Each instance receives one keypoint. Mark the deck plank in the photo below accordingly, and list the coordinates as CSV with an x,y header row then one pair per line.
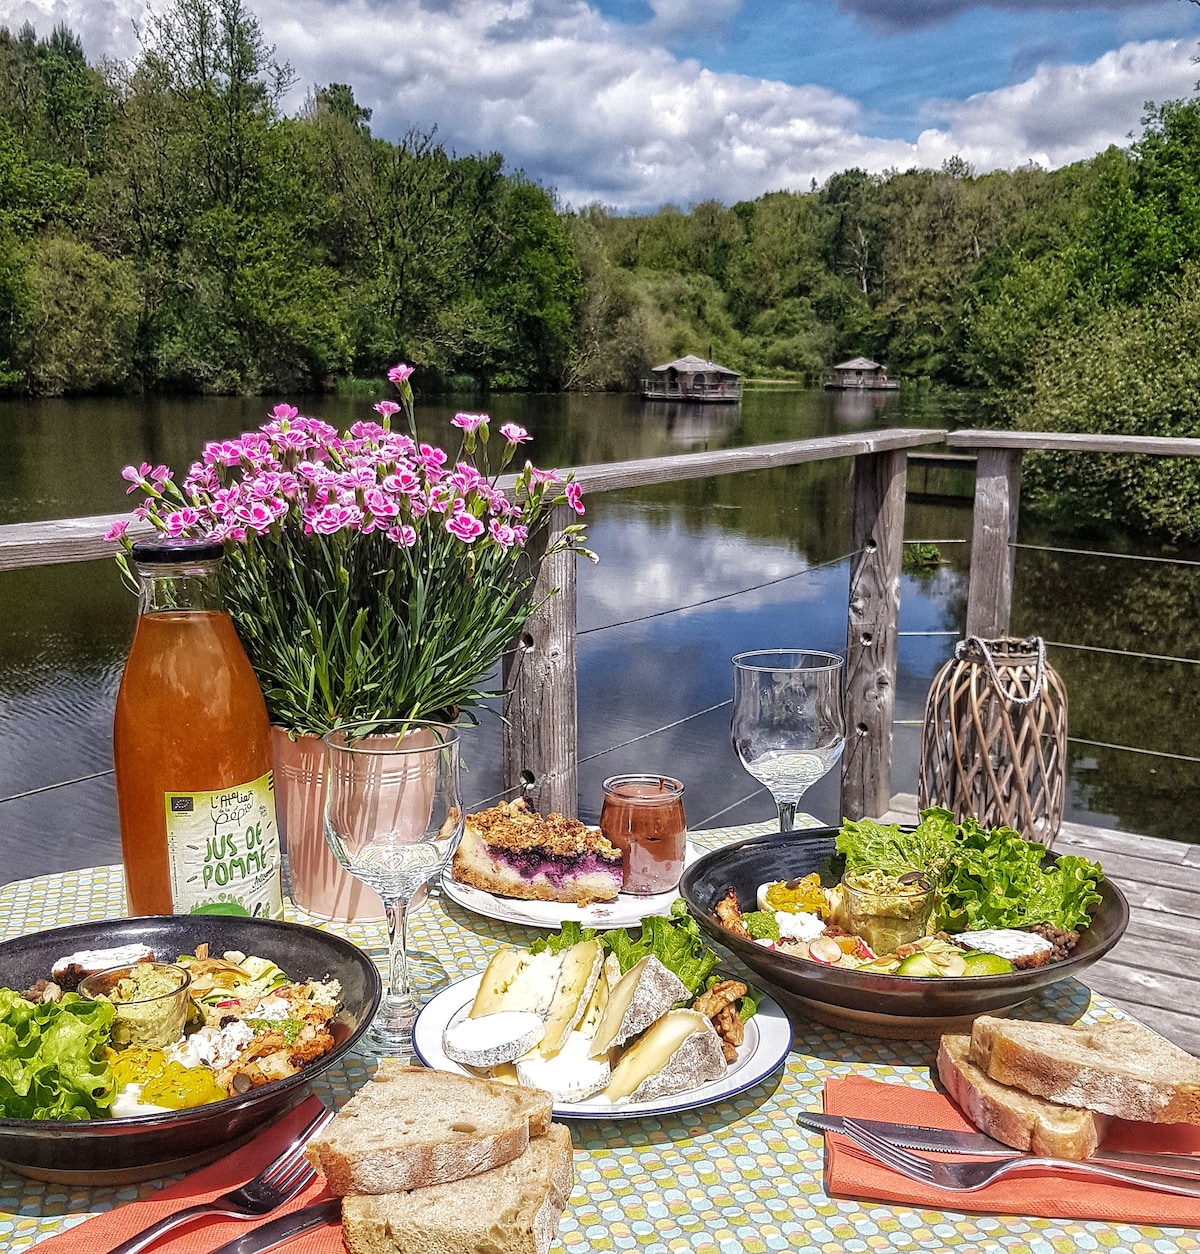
x,y
1153,972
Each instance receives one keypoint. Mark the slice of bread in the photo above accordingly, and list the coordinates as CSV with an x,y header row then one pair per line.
x,y
1013,1116
512,1209
1116,1067
410,1127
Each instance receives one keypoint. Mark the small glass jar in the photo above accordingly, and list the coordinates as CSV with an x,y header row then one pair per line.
x,y
643,816
887,910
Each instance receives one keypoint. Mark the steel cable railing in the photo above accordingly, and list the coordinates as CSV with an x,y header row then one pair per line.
x,y
807,570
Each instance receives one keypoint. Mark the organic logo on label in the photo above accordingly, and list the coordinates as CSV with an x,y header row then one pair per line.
x,y
181,805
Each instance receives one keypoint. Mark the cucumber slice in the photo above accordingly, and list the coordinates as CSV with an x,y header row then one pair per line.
x,y
979,963
919,964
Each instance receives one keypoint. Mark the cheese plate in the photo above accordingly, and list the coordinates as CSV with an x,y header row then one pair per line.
x,y
768,1040
627,910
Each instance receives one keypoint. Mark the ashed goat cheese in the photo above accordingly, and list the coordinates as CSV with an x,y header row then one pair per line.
x,y
1003,941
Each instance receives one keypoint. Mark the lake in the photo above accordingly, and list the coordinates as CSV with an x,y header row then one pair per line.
x,y
758,560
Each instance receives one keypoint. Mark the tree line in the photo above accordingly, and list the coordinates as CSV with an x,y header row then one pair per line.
x,y
164,225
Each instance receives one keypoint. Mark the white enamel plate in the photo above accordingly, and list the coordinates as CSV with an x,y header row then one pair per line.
x,y
768,1040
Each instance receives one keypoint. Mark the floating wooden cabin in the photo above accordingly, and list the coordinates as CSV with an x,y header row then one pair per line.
x,y
692,378
860,373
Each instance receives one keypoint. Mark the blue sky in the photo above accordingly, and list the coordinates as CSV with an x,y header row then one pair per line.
x,y
634,103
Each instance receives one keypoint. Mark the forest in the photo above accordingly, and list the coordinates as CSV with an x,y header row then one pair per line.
x,y
166,226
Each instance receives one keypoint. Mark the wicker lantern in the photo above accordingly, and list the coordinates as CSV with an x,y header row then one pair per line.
x,y
994,741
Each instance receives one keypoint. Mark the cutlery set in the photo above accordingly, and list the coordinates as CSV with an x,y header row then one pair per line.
x,y
886,1142
284,1178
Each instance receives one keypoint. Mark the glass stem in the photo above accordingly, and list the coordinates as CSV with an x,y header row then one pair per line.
x,y
787,816
397,994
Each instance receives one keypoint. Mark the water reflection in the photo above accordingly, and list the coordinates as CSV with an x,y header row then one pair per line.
x,y
643,664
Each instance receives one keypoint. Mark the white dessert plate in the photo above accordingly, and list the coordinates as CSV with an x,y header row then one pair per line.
x,y
626,911
768,1040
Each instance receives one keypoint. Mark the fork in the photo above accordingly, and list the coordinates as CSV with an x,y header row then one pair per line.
x,y
277,1183
967,1176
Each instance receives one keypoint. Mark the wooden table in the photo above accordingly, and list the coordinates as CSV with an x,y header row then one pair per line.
x,y
739,1177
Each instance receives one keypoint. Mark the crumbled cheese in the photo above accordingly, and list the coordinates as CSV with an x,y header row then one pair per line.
x,y
798,925
212,1047
273,1009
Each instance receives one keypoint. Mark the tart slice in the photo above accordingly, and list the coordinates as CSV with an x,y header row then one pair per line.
x,y
513,851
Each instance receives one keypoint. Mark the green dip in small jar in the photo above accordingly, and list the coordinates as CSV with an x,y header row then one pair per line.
x,y
885,909
150,1000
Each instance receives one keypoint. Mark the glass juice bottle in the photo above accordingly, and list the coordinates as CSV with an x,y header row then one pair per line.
x,y
192,749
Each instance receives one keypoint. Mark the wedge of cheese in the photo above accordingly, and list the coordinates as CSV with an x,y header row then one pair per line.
x,y
516,979
579,971
570,1075
488,1040
644,993
594,1010
681,1051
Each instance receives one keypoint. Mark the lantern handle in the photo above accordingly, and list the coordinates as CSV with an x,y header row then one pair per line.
x,y
1039,675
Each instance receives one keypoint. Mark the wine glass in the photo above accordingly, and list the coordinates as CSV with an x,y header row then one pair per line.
x,y
789,723
393,818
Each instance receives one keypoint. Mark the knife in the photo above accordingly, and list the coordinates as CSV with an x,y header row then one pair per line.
x,y
944,1141
284,1229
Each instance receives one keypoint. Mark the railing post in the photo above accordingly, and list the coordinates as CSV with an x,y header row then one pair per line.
x,y
877,544
997,498
540,734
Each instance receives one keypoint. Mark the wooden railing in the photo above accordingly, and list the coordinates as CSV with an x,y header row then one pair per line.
x,y
540,730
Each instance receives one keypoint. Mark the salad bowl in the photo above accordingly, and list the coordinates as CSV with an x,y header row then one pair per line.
x,y
898,1007
120,1151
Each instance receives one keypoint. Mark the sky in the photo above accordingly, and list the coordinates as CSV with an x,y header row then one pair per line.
x,y
633,104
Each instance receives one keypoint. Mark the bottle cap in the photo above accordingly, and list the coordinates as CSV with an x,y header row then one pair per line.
x,y
162,551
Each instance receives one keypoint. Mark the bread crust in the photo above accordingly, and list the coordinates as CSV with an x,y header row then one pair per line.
x,y
411,1127
1012,1115
513,1209
1115,1067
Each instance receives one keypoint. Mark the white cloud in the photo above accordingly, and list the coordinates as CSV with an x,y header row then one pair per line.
x,y
601,112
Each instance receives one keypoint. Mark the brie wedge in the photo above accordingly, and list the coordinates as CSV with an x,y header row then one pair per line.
x,y
488,1040
681,1051
515,979
578,972
644,993
571,1076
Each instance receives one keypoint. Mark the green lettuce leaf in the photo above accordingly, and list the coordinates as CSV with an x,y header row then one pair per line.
x,y
52,1061
927,848
675,940
571,933
996,879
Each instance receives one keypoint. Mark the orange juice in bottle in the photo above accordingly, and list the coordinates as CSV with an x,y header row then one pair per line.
x,y
192,749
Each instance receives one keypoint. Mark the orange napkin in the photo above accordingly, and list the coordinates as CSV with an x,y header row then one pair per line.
x,y
99,1234
851,1172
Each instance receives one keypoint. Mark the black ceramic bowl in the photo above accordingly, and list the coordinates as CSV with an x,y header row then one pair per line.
x,y
875,1005
118,1151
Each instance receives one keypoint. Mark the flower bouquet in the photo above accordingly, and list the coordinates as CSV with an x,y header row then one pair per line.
x,y
369,576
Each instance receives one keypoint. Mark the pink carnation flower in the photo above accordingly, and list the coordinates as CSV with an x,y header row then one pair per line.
x,y
502,533
333,518
181,520
469,423
465,527
137,476
575,497
284,413
387,408
117,530
404,535
399,374
514,434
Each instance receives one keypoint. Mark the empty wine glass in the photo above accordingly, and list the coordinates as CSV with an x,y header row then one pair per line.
x,y
393,818
789,723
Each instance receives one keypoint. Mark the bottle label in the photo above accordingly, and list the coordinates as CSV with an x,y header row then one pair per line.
x,y
223,850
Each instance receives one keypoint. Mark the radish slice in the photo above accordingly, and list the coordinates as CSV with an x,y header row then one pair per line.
x,y
825,950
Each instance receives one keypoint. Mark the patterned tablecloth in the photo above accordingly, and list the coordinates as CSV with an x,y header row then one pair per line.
x,y
739,1177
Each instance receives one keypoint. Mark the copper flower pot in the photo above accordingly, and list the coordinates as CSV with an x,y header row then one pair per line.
x,y
319,885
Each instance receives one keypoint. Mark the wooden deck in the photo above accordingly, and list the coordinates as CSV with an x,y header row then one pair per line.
x,y
1153,971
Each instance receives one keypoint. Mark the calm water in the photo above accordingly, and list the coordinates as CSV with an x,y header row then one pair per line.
x,y
64,630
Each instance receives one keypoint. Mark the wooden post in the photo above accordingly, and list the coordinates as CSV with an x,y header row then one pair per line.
x,y
540,683
877,542
997,498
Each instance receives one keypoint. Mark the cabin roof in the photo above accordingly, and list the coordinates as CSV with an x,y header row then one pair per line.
x,y
859,363
691,364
